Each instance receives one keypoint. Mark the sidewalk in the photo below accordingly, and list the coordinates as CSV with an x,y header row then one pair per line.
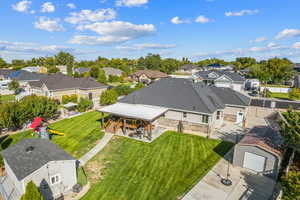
x,y
106,138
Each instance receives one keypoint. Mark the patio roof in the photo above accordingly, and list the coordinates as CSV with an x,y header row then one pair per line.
x,y
135,111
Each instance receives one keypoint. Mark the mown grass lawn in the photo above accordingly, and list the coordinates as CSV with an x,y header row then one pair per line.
x,y
164,169
10,97
81,134
284,96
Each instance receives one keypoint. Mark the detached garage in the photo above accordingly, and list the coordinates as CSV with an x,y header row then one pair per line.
x,y
260,151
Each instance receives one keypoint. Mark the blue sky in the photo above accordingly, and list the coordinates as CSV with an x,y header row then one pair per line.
x,y
196,29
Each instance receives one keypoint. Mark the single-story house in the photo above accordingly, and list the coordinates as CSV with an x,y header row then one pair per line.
x,y
174,102
82,70
221,79
261,151
218,67
4,74
147,76
109,71
62,69
57,85
51,169
24,77
189,69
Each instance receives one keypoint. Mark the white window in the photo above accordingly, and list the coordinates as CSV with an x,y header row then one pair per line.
x,y
55,179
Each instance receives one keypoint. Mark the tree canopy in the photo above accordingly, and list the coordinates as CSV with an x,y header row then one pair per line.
x,y
32,192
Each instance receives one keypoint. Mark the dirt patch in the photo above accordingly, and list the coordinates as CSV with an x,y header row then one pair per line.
x,y
95,170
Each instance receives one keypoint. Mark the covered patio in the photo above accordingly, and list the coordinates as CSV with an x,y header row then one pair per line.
x,y
133,120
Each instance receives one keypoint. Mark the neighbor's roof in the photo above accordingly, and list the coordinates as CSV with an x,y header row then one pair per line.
x,y
266,138
22,75
135,111
232,75
151,73
60,81
24,162
189,67
6,72
184,94
112,71
82,70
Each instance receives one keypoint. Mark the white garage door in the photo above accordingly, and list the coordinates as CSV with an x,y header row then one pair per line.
x,y
254,162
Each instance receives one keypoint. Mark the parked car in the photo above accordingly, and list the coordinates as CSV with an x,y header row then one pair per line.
x,y
254,93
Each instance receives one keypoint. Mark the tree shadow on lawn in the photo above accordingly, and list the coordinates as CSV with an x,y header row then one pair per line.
x,y
225,150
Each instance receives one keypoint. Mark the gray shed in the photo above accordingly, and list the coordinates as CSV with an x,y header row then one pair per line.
x,y
260,151
51,168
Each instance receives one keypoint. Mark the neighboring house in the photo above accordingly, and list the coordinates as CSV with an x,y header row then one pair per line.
x,y
62,69
260,151
109,71
23,77
297,81
35,69
4,74
189,69
172,102
82,70
221,79
218,67
252,84
57,85
297,67
51,169
147,76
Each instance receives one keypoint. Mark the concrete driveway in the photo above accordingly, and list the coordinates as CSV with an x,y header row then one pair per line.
x,y
229,132
245,185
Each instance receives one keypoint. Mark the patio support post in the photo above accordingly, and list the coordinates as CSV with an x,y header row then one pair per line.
x,y
150,130
124,126
102,120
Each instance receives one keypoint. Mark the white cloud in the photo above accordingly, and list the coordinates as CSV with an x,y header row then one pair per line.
x,y
71,5
131,3
296,45
202,19
147,46
48,7
22,6
288,33
259,39
91,16
47,24
241,13
177,20
113,32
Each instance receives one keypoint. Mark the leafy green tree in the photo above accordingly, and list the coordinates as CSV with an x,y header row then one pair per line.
x,y
113,79
278,69
123,90
3,64
94,72
244,62
108,97
32,192
52,70
84,104
291,186
13,85
64,58
101,77
11,115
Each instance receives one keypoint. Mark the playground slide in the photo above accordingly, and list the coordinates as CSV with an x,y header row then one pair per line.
x,y
55,132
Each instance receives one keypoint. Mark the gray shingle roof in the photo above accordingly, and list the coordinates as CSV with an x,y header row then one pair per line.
x,y
184,94
23,162
61,82
112,71
232,75
150,74
187,67
22,75
6,72
82,70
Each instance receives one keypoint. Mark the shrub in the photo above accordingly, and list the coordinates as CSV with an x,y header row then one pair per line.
x,y
139,86
13,85
123,90
291,186
32,192
294,93
113,79
101,76
73,98
81,177
65,99
84,104
108,97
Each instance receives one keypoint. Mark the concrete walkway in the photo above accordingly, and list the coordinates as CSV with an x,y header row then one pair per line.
x,y
106,138
245,185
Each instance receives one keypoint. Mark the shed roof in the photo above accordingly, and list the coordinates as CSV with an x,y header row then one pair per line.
x,y
135,111
29,155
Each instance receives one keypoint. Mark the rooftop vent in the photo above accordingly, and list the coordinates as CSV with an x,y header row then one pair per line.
x,y
29,149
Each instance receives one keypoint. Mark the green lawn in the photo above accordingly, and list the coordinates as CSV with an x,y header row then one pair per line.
x,y
9,97
164,169
284,96
81,134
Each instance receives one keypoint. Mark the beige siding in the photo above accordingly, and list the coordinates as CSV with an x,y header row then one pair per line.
x,y
230,113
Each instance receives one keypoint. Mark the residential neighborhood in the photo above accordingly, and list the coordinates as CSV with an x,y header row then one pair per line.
x,y
150,100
